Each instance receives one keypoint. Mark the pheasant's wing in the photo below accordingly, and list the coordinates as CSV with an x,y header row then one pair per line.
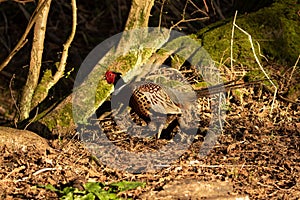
x,y
159,100
174,84
166,102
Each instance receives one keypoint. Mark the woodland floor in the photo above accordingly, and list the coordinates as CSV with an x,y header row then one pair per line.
x,y
258,155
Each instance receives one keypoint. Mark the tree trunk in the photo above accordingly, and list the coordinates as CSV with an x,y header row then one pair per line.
x,y
35,62
139,14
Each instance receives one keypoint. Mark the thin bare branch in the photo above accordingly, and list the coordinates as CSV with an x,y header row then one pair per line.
x,y
231,43
12,95
293,70
188,20
183,20
259,52
161,12
63,60
219,11
206,7
198,9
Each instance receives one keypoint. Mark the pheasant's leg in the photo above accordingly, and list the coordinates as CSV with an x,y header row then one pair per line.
x,y
170,119
160,129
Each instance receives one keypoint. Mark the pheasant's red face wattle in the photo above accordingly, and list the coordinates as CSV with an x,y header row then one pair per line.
x,y
110,77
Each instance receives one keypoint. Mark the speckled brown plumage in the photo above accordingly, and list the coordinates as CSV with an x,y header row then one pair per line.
x,y
152,96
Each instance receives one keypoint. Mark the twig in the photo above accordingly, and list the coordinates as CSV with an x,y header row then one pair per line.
x,y
160,14
205,5
198,9
32,120
220,166
189,20
25,12
7,44
260,51
63,60
219,111
14,170
231,44
43,170
183,20
219,11
12,96
36,173
288,83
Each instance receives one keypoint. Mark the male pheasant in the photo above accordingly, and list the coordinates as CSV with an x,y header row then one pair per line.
x,y
147,99
150,100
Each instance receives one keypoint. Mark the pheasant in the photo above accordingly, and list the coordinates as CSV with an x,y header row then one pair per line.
x,y
147,99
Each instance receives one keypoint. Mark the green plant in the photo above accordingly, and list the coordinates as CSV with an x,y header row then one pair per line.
x,y
95,190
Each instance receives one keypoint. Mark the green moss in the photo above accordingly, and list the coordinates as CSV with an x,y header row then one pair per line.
x,y
41,91
103,90
124,63
294,92
147,53
63,118
201,85
217,43
142,18
177,61
276,28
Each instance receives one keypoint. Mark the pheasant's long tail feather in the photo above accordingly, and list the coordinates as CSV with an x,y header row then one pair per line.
x,y
224,87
